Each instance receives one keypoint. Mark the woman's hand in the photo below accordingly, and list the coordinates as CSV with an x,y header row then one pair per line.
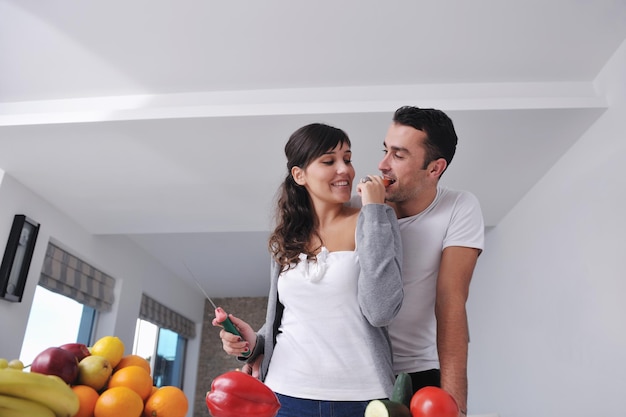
x,y
371,189
231,343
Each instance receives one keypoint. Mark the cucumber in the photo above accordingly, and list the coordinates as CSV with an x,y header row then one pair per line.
x,y
386,408
402,389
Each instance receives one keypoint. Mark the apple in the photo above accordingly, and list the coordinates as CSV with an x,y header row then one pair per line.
x,y
56,361
79,350
94,371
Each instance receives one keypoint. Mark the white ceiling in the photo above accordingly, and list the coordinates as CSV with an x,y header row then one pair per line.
x,y
165,121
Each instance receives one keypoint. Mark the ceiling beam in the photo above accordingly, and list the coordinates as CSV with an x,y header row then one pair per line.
x,y
330,100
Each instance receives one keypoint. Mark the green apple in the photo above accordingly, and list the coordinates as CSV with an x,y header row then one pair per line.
x,y
94,371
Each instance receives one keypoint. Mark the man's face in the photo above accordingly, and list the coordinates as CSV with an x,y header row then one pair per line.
x,y
404,162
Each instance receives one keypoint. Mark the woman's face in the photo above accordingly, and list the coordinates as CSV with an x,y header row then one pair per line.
x,y
329,177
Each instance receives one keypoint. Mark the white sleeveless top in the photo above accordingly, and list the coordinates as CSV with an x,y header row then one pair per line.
x,y
320,351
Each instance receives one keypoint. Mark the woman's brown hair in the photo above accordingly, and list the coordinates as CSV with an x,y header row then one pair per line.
x,y
295,221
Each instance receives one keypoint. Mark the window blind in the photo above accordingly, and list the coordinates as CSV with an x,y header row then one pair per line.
x,y
155,312
65,274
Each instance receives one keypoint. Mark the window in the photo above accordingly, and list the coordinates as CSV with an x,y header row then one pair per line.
x,y
66,302
165,349
53,321
161,335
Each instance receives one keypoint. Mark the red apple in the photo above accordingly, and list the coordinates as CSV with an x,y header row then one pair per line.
x,y
56,361
78,349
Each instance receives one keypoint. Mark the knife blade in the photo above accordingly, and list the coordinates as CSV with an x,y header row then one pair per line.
x,y
227,324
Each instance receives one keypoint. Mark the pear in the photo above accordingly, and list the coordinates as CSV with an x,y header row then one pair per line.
x,y
94,371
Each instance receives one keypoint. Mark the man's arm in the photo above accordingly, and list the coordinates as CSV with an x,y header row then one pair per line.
x,y
455,273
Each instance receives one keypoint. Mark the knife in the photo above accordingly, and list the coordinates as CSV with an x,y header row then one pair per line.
x,y
227,324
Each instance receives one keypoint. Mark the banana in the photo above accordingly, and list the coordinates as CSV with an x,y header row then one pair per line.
x,y
19,407
50,391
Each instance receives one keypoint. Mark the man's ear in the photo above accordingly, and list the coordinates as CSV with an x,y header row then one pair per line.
x,y
298,175
437,167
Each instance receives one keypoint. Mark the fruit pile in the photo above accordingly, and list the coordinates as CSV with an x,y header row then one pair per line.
x,y
74,380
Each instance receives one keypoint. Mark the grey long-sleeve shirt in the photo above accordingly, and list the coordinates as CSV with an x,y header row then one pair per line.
x,y
380,290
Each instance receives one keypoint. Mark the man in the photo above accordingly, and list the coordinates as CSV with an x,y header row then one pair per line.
x,y
442,235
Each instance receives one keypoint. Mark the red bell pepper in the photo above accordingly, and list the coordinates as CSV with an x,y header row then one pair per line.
x,y
237,394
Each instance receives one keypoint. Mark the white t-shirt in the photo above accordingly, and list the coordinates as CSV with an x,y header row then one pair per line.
x,y
320,351
454,218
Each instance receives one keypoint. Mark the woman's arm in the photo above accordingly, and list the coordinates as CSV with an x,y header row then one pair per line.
x,y
379,248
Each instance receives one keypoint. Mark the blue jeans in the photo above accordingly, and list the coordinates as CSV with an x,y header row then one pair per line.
x,y
298,407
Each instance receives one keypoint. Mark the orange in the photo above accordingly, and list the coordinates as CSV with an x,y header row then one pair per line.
x,y
167,401
134,360
118,402
87,397
133,377
111,347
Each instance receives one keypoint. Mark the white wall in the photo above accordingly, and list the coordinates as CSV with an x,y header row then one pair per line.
x,y
134,271
547,310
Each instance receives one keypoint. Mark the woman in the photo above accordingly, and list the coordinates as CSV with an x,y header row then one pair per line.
x,y
335,285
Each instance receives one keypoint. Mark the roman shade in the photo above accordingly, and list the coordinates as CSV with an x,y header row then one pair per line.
x,y
65,274
155,312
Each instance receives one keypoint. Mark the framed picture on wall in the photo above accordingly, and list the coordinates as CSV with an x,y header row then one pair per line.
x,y
17,257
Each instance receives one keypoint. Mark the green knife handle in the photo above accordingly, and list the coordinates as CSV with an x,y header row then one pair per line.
x,y
230,328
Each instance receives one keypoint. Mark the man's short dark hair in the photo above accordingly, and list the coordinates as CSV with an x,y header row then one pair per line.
x,y
441,138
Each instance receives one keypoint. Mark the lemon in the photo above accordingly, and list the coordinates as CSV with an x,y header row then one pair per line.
x,y
111,347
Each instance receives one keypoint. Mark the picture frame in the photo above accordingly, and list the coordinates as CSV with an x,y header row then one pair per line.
x,y
17,257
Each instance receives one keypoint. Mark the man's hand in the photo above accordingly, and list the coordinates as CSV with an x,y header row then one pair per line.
x,y
254,367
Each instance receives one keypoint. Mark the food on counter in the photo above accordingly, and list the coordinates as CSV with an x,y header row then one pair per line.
x,y
237,394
